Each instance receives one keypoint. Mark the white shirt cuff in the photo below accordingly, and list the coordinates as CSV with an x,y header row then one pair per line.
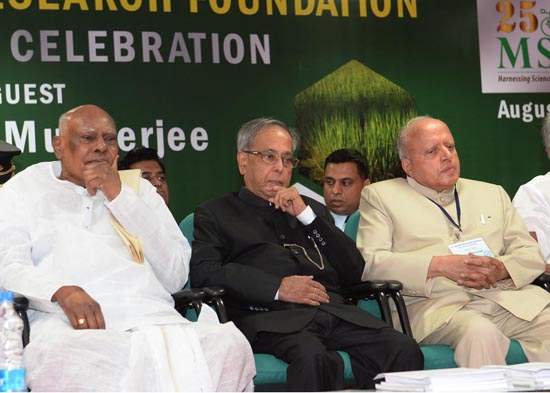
x,y
307,216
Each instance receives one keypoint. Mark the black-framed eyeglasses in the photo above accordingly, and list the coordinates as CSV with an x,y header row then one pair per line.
x,y
271,157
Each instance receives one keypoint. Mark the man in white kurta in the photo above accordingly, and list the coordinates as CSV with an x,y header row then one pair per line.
x,y
474,298
532,201
101,319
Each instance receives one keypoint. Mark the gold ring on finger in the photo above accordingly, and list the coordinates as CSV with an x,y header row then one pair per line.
x,y
81,321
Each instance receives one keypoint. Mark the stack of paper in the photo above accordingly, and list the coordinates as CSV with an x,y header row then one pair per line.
x,y
445,380
526,376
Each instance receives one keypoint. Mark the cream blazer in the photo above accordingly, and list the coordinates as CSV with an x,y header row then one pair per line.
x,y
400,230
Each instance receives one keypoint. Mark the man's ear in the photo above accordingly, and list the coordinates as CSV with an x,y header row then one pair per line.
x,y
58,147
406,165
242,160
366,182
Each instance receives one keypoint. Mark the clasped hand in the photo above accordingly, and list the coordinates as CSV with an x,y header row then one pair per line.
x,y
303,290
473,271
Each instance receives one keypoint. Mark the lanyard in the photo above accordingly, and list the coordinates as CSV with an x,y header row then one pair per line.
x,y
457,203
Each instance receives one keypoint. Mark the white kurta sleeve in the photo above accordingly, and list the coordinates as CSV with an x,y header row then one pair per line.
x,y
522,256
147,216
533,206
17,271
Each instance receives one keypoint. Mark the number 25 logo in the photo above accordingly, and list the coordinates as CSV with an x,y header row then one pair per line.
x,y
529,21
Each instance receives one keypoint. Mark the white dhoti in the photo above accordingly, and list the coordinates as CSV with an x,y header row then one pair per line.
x,y
193,356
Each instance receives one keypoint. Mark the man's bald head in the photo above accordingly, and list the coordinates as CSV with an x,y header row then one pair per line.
x,y
87,134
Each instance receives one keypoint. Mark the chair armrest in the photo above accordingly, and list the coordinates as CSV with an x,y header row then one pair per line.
x,y
214,297
214,291
21,305
381,291
374,289
364,290
543,281
394,290
195,297
188,297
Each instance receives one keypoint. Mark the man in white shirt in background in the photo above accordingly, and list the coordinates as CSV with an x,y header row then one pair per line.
x,y
532,201
346,173
98,261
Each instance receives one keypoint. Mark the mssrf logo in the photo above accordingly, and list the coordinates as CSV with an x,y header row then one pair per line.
x,y
514,44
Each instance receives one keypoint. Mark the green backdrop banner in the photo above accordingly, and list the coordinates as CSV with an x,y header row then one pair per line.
x,y
183,75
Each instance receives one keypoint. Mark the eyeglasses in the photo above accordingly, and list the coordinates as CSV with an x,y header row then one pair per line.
x,y
271,157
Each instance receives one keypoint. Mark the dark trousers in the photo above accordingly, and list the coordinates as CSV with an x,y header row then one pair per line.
x,y
314,364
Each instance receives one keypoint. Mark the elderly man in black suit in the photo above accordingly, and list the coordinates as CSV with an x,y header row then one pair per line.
x,y
282,263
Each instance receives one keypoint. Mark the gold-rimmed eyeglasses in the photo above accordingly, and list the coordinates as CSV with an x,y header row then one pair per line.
x,y
271,157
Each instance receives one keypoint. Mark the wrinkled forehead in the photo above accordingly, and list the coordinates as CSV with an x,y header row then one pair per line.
x,y
103,125
430,134
273,138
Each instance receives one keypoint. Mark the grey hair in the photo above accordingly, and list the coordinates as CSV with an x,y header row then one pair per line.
x,y
404,132
545,131
249,130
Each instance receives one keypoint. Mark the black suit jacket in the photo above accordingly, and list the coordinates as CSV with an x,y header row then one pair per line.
x,y
239,245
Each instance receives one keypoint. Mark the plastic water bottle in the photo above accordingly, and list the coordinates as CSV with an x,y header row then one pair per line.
x,y
12,369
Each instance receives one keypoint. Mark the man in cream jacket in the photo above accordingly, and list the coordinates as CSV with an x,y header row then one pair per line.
x,y
461,250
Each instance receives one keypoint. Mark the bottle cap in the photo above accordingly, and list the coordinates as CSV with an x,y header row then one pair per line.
x,y
6,296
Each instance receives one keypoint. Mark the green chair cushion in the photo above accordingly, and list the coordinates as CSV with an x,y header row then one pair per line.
x,y
438,356
515,353
442,356
269,370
